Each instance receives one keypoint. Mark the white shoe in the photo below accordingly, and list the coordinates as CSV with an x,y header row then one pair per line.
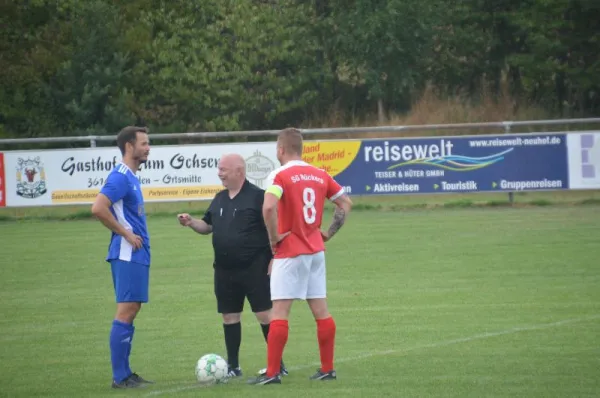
x,y
263,371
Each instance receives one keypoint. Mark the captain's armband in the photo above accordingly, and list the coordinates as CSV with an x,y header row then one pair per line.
x,y
275,190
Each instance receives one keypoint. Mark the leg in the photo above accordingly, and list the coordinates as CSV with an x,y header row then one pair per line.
x,y
326,328
278,335
121,339
230,303
259,296
289,281
264,319
131,290
232,328
126,313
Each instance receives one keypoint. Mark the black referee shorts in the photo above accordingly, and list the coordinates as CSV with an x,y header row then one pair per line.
x,y
232,286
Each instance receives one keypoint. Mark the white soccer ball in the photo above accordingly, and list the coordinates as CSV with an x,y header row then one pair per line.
x,y
212,369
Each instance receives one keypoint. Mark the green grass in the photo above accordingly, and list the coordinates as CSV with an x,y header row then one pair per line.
x,y
453,302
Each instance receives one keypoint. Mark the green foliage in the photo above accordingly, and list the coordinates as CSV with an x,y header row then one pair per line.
x,y
384,43
92,82
226,65
560,61
80,67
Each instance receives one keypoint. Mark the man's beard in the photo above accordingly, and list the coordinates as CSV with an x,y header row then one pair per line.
x,y
140,161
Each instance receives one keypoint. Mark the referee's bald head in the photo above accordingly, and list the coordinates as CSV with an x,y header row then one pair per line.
x,y
234,161
232,171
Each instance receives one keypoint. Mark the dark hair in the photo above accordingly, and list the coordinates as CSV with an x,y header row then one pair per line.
x,y
291,139
129,134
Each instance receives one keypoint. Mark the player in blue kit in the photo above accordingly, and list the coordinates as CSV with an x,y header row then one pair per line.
x,y
120,207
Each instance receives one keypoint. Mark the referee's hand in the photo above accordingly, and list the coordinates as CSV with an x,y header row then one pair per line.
x,y
184,219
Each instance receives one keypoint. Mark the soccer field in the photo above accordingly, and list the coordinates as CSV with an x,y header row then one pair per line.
x,y
445,302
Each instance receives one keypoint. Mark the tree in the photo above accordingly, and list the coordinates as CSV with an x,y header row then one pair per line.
x,y
560,64
383,44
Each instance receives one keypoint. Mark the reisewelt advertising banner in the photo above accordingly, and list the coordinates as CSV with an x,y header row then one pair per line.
x,y
445,164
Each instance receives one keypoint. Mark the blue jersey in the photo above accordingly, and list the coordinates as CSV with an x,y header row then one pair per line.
x,y
124,191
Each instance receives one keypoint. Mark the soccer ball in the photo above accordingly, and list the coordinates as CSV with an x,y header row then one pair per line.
x,y
212,369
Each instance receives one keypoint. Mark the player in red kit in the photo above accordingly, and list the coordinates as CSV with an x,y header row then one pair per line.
x,y
293,211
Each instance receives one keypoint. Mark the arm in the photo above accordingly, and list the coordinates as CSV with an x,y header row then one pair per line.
x,y
101,210
343,205
202,226
199,226
269,211
114,190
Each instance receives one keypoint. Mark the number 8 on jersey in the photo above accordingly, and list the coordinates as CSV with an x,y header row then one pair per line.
x,y
309,210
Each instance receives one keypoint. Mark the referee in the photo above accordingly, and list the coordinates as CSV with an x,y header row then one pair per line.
x,y
242,254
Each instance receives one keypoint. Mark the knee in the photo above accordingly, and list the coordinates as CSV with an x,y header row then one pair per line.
x,y
232,318
264,317
126,312
319,308
281,309
324,314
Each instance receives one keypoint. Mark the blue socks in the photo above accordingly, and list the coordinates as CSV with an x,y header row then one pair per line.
x,y
121,336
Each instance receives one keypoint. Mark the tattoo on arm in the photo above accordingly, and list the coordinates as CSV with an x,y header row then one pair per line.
x,y
339,217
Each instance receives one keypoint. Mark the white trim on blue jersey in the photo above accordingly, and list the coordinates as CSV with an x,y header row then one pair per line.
x,y
126,250
124,190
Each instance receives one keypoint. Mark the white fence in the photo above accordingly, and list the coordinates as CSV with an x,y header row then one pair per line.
x,y
505,126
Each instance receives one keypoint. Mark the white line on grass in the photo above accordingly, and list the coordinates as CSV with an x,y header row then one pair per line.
x,y
438,344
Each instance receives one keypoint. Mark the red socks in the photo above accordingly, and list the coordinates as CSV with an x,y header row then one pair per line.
x,y
278,336
326,337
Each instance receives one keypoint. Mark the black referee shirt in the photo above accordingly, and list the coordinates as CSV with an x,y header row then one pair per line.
x,y
239,234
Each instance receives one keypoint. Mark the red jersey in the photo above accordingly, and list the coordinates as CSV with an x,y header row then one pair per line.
x,y
303,190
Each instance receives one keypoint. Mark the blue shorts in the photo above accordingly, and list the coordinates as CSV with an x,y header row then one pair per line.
x,y
130,281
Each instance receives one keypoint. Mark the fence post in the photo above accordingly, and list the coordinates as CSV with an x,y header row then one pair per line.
x,y
93,142
511,195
